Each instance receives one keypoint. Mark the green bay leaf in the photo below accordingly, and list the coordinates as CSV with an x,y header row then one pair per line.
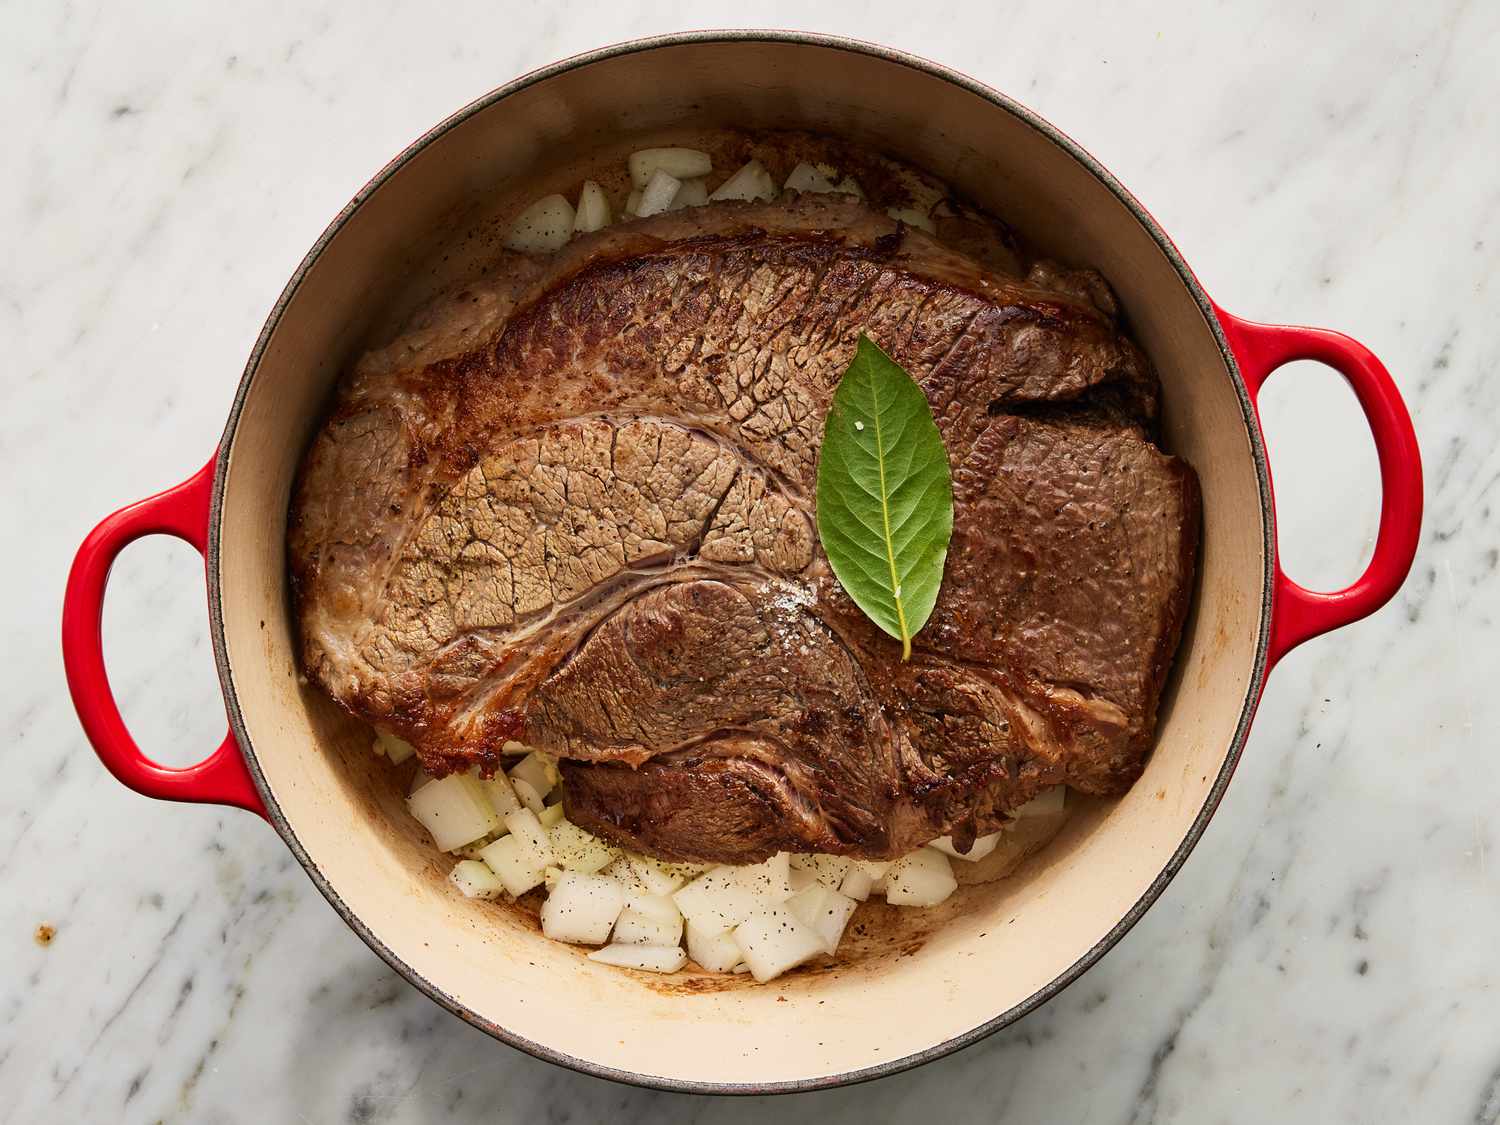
x,y
885,496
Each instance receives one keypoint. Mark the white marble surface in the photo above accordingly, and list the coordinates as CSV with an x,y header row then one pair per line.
x,y
1328,954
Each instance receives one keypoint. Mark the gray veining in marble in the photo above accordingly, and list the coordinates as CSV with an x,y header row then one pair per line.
x,y
1329,952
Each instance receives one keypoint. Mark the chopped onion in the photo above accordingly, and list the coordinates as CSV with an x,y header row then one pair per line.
x,y
826,869
875,868
857,883
593,209
983,845
717,900
419,779
543,227
774,941
920,879
632,205
658,878
537,771
620,870
514,864
524,825
679,163
513,748
749,183
666,958
717,953
501,796
692,193
824,912
550,815
578,850
527,795
649,920
799,877
396,749
1048,803
658,194
582,908
912,218
475,880
769,880
805,177
455,810
849,186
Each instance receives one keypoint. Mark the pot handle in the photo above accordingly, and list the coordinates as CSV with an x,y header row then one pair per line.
x,y
1299,614
221,778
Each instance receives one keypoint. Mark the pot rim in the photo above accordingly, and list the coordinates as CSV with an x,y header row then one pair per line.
x,y
1158,884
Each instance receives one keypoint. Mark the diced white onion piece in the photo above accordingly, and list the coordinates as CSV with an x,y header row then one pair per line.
x,y
593,209
419,779
878,887
658,878
471,851
455,810
514,748
749,183
550,815
805,177
543,227
912,218
524,825
875,868
1048,803
527,795
717,900
774,941
501,796
718,953
849,186
658,194
475,879
741,967
768,879
692,193
983,845
620,870
923,878
396,749
550,877
800,877
824,912
537,771
679,163
648,958
632,202
514,864
578,850
582,908
826,869
856,884
649,920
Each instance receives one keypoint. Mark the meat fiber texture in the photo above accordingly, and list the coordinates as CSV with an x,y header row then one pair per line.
x,y
573,507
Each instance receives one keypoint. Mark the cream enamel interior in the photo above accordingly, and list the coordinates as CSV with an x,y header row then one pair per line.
x,y
994,947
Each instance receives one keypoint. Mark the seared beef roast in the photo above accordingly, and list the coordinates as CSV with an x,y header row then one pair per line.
x,y
573,507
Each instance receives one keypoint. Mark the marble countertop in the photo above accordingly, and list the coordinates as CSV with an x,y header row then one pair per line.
x,y
1328,952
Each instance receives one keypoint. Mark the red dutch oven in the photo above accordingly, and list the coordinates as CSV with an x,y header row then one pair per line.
x,y
912,992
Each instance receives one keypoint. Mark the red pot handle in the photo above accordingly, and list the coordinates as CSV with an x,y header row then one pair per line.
x,y
1299,614
221,778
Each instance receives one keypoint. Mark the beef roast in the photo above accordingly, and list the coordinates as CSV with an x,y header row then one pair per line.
x,y
573,507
